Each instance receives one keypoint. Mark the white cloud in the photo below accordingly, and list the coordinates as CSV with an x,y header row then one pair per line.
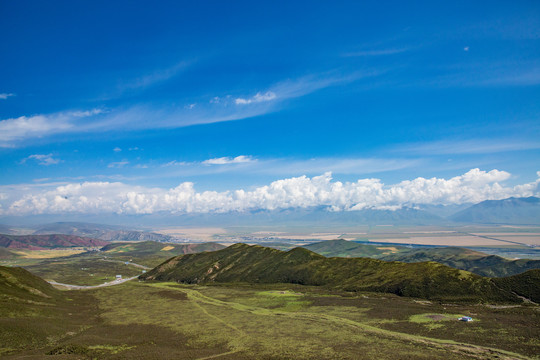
x,y
42,159
146,116
4,96
466,48
257,98
106,197
229,160
23,127
117,149
156,76
118,164
475,146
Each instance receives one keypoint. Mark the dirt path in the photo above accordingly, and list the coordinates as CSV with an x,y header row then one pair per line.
x,y
86,287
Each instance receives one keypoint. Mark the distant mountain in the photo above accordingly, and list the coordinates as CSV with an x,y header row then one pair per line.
x,y
517,211
256,264
312,216
443,211
103,232
466,259
40,242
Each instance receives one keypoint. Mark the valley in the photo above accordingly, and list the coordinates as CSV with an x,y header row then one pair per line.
x,y
305,293
142,320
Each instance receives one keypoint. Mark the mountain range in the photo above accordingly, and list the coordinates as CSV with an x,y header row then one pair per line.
x,y
517,211
241,263
100,231
511,211
41,242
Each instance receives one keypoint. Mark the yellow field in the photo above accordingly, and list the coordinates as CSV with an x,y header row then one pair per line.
x,y
48,254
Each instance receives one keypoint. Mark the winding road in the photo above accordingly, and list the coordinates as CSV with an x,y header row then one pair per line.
x,y
110,283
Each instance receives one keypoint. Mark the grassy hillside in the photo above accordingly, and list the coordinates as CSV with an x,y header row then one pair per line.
x,y
466,259
459,258
344,248
53,241
151,253
20,286
526,284
256,264
152,320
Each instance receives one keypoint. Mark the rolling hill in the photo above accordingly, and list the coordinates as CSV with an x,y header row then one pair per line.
x,y
459,258
19,285
41,242
241,263
466,259
151,253
345,248
517,211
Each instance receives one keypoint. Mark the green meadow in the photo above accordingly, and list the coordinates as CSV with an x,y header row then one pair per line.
x,y
149,320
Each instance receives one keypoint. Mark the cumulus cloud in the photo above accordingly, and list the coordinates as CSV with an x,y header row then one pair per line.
x,y
117,149
42,159
116,197
257,98
229,160
4,96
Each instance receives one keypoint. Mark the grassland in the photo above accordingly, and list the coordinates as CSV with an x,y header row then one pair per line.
x,y
79,267
280,321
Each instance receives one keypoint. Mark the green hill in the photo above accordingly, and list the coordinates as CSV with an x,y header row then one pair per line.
x,y
344,248
459,258
526,284
18,285
466,259
152,253
257,264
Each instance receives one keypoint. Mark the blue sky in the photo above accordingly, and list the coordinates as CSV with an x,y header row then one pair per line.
x,y
239,95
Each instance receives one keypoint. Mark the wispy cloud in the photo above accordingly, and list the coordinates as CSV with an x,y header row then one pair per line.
x,y
283,166
117,149
118,164
156,77
376,52
258,97
146,116
42,159
25,127
472,146
228,160
4,96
